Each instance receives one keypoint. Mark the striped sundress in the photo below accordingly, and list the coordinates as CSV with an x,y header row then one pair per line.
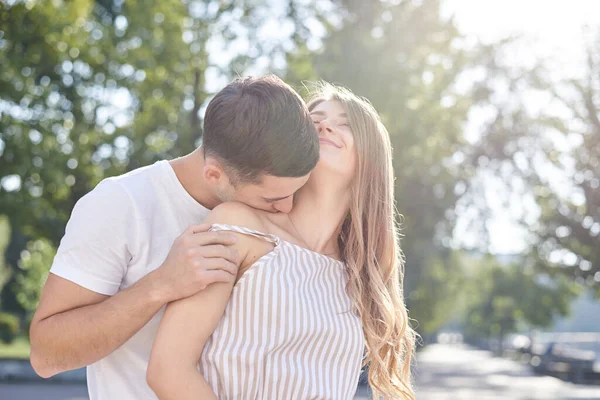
x,y
289,330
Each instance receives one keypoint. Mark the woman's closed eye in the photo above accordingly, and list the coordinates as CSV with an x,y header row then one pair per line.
x,y
337,123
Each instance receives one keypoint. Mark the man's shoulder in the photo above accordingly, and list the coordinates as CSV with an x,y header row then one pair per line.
x,y
139,180
153,172
124,191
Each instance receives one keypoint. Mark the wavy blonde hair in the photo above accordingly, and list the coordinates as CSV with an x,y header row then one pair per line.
x,y
370,248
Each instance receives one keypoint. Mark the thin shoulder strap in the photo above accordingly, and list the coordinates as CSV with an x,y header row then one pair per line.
x,y
245,231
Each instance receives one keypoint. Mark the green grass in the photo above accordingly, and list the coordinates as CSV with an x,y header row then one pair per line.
x,y
19,348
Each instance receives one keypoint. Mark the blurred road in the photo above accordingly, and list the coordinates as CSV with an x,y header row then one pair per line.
x,y
70,391
443,373
459,373
43,391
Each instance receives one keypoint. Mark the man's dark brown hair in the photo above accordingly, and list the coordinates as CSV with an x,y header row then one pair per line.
x,y
260,126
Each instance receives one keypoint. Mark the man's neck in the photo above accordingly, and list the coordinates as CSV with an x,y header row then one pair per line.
x,y
189,170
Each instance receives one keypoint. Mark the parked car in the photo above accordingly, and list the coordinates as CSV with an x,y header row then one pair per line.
x,y
565,361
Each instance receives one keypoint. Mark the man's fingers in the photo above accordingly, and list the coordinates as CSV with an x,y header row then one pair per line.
x,y
208,238
219,251
217,275
197,228
215,264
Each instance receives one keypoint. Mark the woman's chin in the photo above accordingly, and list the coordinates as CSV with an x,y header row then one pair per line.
x,y
335,173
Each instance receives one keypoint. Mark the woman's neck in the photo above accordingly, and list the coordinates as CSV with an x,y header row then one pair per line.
x,y
317,217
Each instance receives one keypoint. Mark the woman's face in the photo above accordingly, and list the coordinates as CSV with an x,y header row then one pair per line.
x,y
338,153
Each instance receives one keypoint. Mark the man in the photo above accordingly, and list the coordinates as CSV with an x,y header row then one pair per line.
x,y
134,243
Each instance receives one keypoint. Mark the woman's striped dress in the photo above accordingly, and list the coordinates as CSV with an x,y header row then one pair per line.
x,y
289,330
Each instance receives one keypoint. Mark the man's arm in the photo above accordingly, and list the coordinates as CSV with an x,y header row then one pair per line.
x,y
74,327
188,323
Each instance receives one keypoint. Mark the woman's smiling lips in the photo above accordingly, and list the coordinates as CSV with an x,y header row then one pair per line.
x,y
329,142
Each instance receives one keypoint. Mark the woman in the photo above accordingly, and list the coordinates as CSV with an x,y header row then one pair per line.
x,y
315,289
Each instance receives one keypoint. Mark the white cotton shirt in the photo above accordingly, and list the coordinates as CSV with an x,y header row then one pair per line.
x,y
118,233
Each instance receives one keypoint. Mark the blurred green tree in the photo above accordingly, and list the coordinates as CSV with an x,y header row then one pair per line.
x,y
33,271
548,150
568,230
5,272
501,299
89,89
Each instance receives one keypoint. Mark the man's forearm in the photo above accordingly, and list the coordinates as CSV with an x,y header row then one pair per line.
x,y
82,336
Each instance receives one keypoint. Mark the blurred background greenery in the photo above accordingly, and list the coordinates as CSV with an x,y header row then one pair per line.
x,y
482,132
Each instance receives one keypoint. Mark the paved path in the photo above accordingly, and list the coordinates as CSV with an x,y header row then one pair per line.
x,y
64,391
443,373
460,373
43,391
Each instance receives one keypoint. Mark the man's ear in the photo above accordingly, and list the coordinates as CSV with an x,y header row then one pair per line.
x,y
214,173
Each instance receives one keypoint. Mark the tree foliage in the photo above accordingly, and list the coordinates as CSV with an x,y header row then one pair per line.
x,y
89,89
5,272
501,299
550,153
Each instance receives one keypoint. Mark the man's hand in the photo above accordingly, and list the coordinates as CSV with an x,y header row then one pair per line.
x,y
197,259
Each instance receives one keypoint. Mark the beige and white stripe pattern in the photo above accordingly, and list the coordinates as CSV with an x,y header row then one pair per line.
x,y
289,330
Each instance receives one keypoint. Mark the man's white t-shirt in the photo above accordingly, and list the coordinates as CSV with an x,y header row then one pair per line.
x,y
117,233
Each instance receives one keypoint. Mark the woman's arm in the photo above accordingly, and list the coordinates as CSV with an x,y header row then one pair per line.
x,y
188,323
185,327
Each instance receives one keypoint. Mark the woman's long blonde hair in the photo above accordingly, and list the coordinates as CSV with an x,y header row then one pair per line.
x,y
369,246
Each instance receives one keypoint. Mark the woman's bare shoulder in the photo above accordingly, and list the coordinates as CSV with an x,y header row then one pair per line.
x,y
239,214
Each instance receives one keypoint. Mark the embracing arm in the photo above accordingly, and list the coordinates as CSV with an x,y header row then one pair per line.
x,y
188,323
82,316
74,327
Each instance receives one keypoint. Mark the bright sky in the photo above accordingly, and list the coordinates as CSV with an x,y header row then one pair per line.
x,y
553,29
556,23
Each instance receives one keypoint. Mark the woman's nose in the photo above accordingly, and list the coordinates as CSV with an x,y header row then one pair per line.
x,y
325,126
